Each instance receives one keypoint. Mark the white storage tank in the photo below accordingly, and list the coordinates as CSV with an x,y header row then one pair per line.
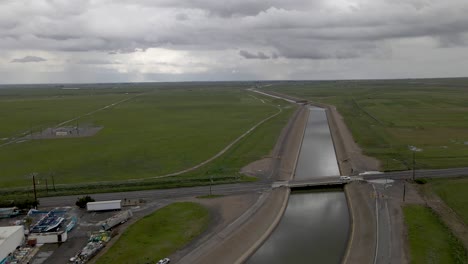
x,y
104,205
10,238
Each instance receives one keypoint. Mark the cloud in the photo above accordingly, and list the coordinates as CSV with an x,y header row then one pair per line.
x,y
29,59
97,62
257,32
247,55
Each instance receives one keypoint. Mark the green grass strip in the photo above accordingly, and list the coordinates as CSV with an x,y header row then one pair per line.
x,y
454,193
430,240
159,234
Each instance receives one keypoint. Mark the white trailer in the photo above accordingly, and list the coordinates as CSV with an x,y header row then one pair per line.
x,y
49,237
104,205
117,219
10,238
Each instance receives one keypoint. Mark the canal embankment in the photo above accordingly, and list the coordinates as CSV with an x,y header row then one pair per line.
x,y
315,224
240,239
362,239
236,242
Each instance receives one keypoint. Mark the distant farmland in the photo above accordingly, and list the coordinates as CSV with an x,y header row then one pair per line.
x,y
159,130
389,118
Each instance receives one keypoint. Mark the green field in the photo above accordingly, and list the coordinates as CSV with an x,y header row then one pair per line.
x,y
165,130
158,235
429,239
388,117
454,193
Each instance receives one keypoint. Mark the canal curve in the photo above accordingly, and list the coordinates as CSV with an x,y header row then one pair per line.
x,y
315,225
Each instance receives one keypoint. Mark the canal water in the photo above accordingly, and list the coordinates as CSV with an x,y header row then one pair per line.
x,y
315,225
317,157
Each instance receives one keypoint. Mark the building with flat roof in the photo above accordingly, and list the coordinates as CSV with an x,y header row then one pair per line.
x,y
10,238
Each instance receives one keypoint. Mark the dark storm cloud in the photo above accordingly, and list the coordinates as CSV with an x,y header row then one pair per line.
x,y
231,8
259,55
275,38
96,62
29,59
284,26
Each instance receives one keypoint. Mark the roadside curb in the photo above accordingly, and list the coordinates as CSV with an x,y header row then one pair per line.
x,y
268,232
302,140
351,224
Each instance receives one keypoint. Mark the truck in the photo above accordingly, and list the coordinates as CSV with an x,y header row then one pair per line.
x,y
117,219
104,205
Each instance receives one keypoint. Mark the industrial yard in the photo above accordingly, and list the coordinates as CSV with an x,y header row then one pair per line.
x,y
61,234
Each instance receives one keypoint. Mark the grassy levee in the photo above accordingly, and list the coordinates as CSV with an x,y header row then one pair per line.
x,y
454,192
163,131
386,118
429,239
159,234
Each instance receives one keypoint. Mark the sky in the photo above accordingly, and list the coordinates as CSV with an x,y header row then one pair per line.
x,y
63,41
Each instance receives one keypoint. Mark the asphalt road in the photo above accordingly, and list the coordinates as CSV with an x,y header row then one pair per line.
x,y
383,244
224,189
401,175
237,188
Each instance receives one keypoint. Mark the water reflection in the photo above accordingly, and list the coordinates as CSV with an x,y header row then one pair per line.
x,y
314,229
317,157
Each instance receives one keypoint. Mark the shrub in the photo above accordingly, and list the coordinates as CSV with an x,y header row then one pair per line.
x,y
82,201
421,181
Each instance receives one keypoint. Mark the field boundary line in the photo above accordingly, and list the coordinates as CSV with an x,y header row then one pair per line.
x,y
14,140
217,155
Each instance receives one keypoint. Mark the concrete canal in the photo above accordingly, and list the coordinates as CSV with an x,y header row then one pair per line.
x,y
315,225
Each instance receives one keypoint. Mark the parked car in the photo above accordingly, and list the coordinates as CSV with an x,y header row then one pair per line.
x,y
164,261
345,178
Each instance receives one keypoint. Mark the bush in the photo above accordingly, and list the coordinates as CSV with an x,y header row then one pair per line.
x,y
82,201
421,181
21,203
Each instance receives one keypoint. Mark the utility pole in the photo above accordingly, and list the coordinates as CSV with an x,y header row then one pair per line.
x,y
34,187
404,191
414,172
211,183
53,181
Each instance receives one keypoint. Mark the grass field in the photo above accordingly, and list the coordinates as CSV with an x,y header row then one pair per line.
x,y
388,117
162,131
454,192
430,241
158,235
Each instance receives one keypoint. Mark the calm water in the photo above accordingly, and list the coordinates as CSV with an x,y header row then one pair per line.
x,y
314,229
315,225
317,157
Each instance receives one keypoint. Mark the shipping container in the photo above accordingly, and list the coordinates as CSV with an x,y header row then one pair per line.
x,y
104,205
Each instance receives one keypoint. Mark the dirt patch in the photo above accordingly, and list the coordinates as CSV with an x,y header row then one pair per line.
x,y
260,168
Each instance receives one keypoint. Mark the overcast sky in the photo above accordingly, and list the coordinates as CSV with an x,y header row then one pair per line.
x,y
47,41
